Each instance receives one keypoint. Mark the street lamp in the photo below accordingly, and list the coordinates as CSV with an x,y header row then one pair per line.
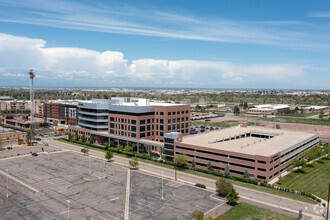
x,y
7,182
162,185
68,201
90,165
104,170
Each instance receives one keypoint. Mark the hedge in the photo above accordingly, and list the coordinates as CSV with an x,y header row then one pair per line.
x,y
212,172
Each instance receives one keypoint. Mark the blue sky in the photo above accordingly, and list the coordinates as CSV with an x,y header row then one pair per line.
x,y
196,44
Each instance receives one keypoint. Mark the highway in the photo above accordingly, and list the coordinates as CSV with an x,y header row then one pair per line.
x,y
248,194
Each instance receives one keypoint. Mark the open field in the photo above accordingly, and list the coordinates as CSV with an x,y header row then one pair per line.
x,y
39,189
245,211
313,178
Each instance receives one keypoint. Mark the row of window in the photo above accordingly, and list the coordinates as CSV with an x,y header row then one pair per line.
x,y
173,113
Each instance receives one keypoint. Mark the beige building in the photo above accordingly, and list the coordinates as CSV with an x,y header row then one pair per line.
x,y
11,139
21,106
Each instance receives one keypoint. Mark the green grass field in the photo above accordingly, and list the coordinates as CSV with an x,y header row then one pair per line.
x,y
314,178
244,211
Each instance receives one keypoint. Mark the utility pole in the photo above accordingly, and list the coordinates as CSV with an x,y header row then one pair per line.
x,y
90,165
68,201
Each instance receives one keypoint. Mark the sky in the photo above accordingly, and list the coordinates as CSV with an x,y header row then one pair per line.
x,y
166,44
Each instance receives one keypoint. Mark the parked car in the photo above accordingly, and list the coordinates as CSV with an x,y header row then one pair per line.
x,y
207,120
9,148
38,139
34,154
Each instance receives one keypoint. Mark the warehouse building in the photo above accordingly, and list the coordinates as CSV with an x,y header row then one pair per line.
x,y
263,152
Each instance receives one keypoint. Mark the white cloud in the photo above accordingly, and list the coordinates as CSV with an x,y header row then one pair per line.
x,y
320,14
124,19
61,64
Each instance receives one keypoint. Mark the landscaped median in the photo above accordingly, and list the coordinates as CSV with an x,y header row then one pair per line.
x,y
239,181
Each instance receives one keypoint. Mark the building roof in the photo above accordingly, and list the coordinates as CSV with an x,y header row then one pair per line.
x,y
269,107
281,140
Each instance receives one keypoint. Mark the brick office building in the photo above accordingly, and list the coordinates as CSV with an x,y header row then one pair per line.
x,y
131,120
61,112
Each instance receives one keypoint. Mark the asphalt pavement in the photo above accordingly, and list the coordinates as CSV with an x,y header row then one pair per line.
x,y
249,194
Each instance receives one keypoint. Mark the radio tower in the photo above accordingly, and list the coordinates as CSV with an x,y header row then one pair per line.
x,y
32,96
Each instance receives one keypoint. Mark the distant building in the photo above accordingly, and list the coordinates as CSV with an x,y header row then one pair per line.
x,y
268,109
61,112
314,108
6,98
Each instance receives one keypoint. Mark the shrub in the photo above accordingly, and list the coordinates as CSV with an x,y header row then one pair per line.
x,y
200,185
223,187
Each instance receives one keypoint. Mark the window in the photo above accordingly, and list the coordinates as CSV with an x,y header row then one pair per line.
x,y
169,113
169,121
161,121
142,122
133,122
156,113
182,112
187,112
178,112
161,113
261,161
173,113
148,121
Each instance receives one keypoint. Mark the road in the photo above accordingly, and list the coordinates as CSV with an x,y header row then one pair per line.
x,y
249,194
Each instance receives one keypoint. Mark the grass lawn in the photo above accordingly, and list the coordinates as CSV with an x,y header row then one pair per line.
x,y
313,178
244,211
310,121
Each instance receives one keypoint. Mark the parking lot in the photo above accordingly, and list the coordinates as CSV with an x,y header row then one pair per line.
x,y
180,200
17,151
40,187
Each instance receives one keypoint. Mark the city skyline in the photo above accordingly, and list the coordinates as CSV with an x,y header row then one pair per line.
x,y
153,44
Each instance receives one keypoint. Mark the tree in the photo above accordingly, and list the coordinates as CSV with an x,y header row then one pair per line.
x,y
69,135
321,114
197,215
278,126
90,139
83,138
209,166
245,105
223,187
246,174
29,136
120,147
181,161
128,148
236,110
134,163
227,172
232,196
193,163
108,155
76,138
106,145
198,107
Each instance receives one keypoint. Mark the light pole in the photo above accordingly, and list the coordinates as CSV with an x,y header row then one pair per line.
x,y
7,182
104,170
68,201
48,148
90,165
162,185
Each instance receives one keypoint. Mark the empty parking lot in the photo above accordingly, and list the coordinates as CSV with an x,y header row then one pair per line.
x,y
40,187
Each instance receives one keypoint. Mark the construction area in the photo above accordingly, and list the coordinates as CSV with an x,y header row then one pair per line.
x,y
63,185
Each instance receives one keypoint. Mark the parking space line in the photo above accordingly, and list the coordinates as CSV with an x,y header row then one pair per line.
x,y
18,181
128,183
